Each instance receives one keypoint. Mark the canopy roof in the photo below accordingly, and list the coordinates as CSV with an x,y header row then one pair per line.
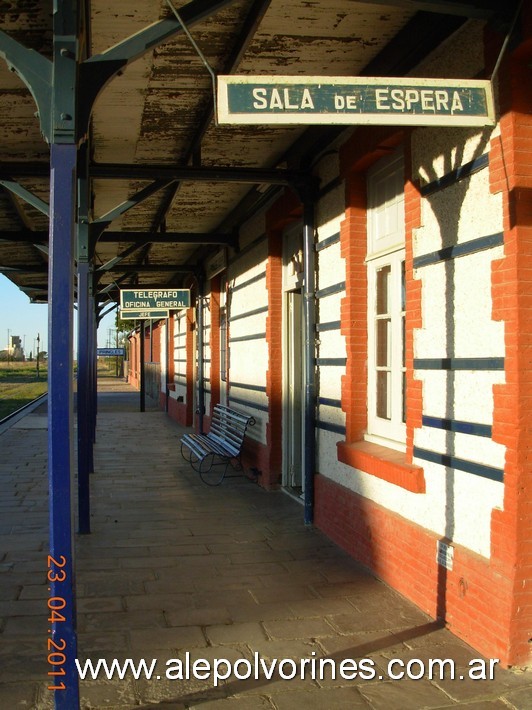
x,y
166,183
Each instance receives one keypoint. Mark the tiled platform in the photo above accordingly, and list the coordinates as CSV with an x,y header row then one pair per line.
x,y
175,567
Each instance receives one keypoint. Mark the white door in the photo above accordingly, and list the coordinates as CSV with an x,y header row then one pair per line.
x,y
294,396
224,356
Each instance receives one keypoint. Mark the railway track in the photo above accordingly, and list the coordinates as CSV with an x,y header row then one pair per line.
x,y
13,417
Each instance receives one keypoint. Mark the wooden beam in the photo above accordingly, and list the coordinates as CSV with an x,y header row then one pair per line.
x,y
477,9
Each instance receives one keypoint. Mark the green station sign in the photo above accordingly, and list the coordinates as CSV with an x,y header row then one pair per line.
x,y
139,299
147,314
303,100
110,352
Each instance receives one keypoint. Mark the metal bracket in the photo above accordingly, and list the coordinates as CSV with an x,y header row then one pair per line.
x,y
27,196
200,54
36,72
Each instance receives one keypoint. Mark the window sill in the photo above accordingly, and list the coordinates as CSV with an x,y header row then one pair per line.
x,y
381,462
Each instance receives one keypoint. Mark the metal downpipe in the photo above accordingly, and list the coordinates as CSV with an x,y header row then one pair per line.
x,y
201,378
309,316
142,369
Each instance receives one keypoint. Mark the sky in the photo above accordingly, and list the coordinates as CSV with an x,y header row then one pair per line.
x,y
27,320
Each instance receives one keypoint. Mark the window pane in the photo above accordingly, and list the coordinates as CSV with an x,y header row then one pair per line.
x,y
383,280
383,390
223,345
403,287
404,398
383,342
404,340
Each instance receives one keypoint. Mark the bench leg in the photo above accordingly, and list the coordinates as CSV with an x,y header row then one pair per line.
x,y
190,457
213,473
186,453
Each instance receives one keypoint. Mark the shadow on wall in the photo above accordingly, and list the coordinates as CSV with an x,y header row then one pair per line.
x,y
446,205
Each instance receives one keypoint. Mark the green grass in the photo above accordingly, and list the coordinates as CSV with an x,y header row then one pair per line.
x,y
19,385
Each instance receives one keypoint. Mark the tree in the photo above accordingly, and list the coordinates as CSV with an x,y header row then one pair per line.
x,y
122,328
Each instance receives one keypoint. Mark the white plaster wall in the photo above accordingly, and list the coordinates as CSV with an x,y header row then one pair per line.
x,y
472,394
452,215
457,322
164,363
248,359
461,56
331,343
249,362
456,309
179,353
456,504
331,266
329,212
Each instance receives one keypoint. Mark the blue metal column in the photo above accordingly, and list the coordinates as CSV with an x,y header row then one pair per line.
x,y
142,356
93,362
200,347
84,399
94,371
84,379
61,603
61,468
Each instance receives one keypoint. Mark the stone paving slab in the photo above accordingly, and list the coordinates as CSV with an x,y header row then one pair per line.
x,y
176,572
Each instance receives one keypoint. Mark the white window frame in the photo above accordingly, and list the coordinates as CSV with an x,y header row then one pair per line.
x,y
386,239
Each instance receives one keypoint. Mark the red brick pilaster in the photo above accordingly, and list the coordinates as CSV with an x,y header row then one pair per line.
x,y
191,355
414,388
354,327
511,174
274,374
215,341
170,364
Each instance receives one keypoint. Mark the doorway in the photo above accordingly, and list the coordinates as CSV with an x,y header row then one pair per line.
x,y
294,464
293,362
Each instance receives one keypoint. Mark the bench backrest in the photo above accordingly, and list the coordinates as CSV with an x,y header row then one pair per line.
x,y
228,427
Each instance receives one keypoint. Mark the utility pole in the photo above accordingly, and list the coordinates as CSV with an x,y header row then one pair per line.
x,y
8,332
116,357
38,341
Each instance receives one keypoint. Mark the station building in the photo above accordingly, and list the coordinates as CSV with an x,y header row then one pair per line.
x,y
423,352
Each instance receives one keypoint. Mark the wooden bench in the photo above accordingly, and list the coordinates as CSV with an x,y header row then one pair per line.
x,y
210,454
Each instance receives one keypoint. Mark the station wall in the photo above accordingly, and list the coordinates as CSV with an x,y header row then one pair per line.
x,y
423,345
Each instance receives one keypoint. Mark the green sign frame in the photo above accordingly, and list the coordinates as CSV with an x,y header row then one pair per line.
x,y
154,299
284,100
110,352
147,314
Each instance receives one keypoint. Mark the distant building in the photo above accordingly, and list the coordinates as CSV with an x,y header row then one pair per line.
x,y
15,349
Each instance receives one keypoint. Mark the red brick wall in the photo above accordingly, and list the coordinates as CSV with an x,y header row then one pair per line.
x,y
183,412
155,346
215,341
476,600
511,174
414,388
353,242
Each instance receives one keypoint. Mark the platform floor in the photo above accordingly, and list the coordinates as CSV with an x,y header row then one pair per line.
x,y
174,569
